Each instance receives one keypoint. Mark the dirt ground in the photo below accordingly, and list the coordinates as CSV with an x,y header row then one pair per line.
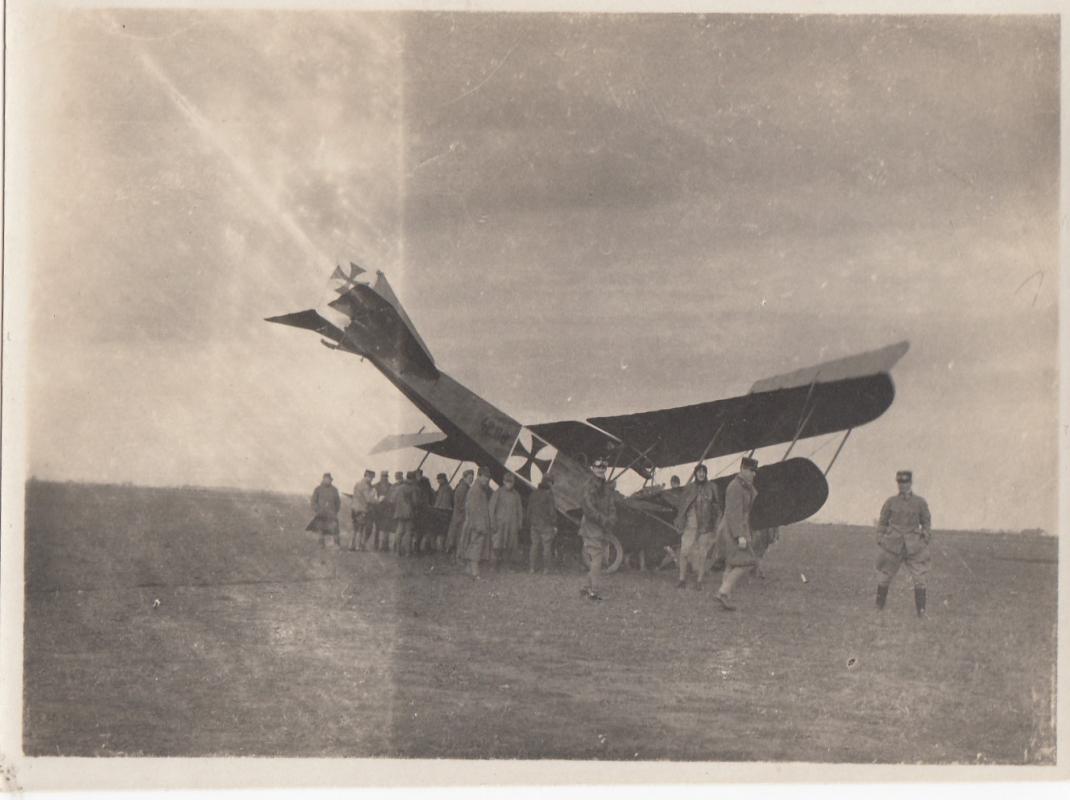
x,y
265,644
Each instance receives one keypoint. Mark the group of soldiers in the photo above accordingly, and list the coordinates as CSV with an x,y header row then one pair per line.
x,y
485,524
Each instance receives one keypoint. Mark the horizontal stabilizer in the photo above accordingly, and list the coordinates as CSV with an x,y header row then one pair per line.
x,y
401,441
858,365
310,320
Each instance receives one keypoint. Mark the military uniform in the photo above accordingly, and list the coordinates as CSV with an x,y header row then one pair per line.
x,y
734,528
542,524
904,532
699,512
360,510
507,515
325,505
477,526
453,536
599,517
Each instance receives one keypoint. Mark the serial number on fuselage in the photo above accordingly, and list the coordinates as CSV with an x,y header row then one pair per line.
x,y
498,431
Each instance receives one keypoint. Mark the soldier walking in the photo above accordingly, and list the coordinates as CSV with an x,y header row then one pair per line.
x,y
904,532
599,517
696,519
734,534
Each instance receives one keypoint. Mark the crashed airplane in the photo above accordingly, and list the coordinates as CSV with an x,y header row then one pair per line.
x,y
370,322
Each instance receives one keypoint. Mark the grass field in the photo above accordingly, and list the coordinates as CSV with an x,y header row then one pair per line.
x,y
265,644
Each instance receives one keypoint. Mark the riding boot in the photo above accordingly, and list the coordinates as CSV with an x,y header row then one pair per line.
x,y
919,600
882,597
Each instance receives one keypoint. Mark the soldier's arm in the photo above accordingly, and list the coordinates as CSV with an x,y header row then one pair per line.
x,y
925,521
590,509
885,518
733,509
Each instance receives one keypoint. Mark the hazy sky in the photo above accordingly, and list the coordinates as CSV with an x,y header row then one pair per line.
x,y
583,215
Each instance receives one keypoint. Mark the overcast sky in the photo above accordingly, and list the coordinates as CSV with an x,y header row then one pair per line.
x,y
583,215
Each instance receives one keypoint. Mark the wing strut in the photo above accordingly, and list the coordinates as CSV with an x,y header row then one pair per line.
x,y
843,441
799,431
709,446
454,475
633,462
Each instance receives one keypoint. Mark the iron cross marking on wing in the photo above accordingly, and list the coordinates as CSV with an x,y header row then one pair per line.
x,y
531,457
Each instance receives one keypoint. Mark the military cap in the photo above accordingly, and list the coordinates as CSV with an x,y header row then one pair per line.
x,y
701,468
327,475
399,474
468,472
385,473
484,471
904,475
369,473
441,476
748,463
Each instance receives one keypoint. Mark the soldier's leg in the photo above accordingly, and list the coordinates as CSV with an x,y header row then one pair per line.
x,y
596,569
687,546
918,567
702,552
547,550
887,566
533,551
728,583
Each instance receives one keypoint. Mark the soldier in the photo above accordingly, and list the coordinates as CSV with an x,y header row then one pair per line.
x,y
454,541
542,524
360,509
698,513
383,510
477,524
599,517
392,499
325,505
443,502
903,534
405,500
423,496
734,535
507,515
674,482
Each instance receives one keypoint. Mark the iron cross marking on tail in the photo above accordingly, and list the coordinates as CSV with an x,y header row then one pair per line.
x,y
531,457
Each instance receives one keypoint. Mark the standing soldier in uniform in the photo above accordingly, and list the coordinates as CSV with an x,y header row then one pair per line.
x,y
423,496
477,523
542,524
443,502
384,512
392,500
507,515
360,509
734,535
405,500
454,539
325,505
697,518
903,534
599,516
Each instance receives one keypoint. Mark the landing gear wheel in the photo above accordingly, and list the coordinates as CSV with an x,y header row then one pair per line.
x,y
612,555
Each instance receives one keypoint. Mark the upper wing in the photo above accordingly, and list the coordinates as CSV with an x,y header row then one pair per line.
x,y
822,399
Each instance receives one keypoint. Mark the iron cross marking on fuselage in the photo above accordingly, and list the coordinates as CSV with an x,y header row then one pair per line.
x,y
531,457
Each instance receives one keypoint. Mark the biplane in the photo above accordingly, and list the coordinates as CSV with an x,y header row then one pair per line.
x,y
366,319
